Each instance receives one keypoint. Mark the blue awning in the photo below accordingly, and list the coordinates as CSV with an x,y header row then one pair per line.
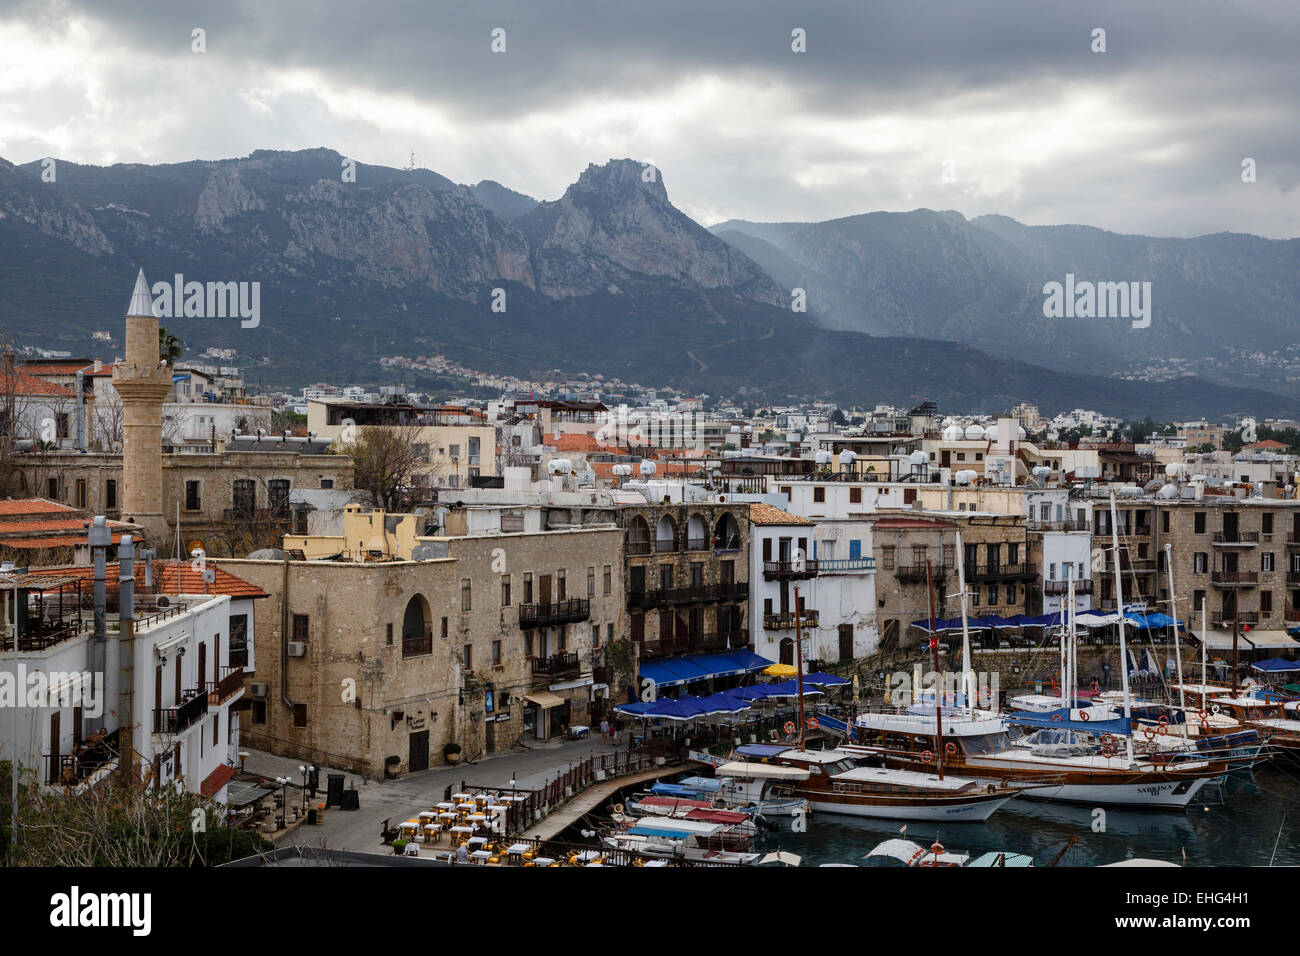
x,y
761,750
1059,720
1276,665
686,670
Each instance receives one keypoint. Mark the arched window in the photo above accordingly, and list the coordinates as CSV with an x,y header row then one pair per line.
x,y
697,534
637,540
726,535
417,628
787,651
665,535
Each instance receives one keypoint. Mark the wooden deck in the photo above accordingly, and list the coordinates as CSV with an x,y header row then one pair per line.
x,y
553,824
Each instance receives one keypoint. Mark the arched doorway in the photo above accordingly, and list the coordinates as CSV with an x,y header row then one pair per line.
x,y
417,628
787,651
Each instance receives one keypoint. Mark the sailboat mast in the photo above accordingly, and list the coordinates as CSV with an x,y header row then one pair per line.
x,y
934,650
1173,628
1204,641
798,659
1123,645
1069,631
966,675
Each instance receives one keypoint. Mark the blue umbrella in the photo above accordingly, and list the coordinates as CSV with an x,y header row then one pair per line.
x,y
757,692
679,708
789,688
824,680
723,702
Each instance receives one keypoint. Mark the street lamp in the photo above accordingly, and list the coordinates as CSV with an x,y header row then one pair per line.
x,y
306,770
284,799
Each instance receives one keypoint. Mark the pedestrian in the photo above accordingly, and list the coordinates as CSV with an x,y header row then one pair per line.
x,y
613,731
604,729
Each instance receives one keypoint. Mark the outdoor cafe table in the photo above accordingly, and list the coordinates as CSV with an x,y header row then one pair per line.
x,y
460,830
476,817
481,855
518,849
446,805
477,841
468,807
460,797
587,855
445,815
427,815
543,861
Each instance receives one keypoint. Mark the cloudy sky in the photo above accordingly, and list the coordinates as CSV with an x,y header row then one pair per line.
x,y
1000,106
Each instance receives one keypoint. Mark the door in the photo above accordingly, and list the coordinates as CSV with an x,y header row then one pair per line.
x,y
418,759
203,664
787,651
846,642
1230,526
544,589
945,460
55,756
638,579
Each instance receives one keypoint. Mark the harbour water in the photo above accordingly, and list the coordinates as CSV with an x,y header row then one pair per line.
x,y
1241,826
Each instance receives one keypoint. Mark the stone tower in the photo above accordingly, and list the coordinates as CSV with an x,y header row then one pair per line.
x,y
142,382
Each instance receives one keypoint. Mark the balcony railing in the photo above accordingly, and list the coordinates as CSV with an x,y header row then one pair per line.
x,y
665,646
998,572
666,597
557,666
1293,575
1293,541
916,572
790,569
227,687
637,547
785,622
1235,538
665,545
1228,618
69,770
833,565
1081,586
173,720
1235,578
602,674
697,544
572,611
1060,526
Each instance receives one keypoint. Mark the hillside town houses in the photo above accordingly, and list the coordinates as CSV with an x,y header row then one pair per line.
x,y
547,553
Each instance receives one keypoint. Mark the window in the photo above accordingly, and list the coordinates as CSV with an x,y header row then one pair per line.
x,y
961,456
609,633
455,451
444,628
1198,522
465,603
1199,562
81,492
1266,561
855,496
300,715
528,588
1013,553
1164,520
975,597
300,627
110,494
561,588
193,500
595,636
421,451
609,579
562,638
993,594
327,482
1198,598
767,549
238,640
388,636
637,627
277,494
949,555
259,711
1266,522
785,490
467,656
887,557
505,590
245,496
1265,603
1011,594
52,489
496,653
819,494
591,582
727,572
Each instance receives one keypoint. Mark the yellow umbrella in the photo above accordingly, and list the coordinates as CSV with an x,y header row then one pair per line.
x,y
780,670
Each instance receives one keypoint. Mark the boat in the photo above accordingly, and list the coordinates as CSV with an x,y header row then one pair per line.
x,y
1271,718
703,840
766,787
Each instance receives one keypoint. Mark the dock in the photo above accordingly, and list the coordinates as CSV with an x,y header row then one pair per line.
x,y
553,824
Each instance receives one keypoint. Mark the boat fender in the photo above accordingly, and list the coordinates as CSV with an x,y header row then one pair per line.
x,y
618,808
950,748
1164,719
1205,725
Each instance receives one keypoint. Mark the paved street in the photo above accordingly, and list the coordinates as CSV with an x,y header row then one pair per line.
x,y
397,800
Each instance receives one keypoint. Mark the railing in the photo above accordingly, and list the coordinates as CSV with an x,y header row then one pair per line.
x,y
697,544
1293,541
68,770
1060,526
38,636
1228,618
917,572
845,564
785,622
571,611
1081,586
228,686
564,664
1137,531
790,569
1240,537
665,545
637,547
1235,577
417,646
664,597
664,646
1293,575
988,572
173,720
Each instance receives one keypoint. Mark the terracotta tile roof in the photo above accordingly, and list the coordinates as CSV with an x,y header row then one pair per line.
x,y
572,442
217,779
1266,444
23,384
55,541
168,579
761,513
32,506
34,523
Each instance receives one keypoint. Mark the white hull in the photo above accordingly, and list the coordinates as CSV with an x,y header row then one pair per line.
x,y
972,812
1161,794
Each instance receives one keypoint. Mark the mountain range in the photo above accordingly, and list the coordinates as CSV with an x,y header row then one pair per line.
x,y
357,262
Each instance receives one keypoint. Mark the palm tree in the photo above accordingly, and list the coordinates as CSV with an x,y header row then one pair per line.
x,y
169,347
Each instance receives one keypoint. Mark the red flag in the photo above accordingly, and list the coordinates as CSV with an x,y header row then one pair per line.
x,y
934,642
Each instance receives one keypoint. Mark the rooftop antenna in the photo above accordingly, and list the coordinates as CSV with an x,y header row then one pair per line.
x,y
411,165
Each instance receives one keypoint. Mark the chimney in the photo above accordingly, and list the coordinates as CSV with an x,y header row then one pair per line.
x,y
99,538
125,690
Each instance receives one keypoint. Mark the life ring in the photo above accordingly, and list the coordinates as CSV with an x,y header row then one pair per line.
x,y
618,808
1214,708
812,723
1083,715
927,756
1205,726
1095,687
1163,721
1148,733
789,726
1056,718
1107,738
950,748
1107,750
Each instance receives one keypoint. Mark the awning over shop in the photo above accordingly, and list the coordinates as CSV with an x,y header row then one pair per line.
x,y
240,793
697,667
544,700
1271,639
217,779
1222,640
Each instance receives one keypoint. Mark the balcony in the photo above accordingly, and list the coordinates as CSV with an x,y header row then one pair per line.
x,y
1138,531
914,573
1081,586
572,611
229,685
697,544
71,770
633,547
664,646
1227,618
1060,526
999,572
706,593
602,674
174,720
557,667
789,570
665,546
1293,541
845,565
1234,579
785,622
1239,539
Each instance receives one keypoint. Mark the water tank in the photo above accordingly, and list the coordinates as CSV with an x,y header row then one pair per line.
x,y
1175,469
622,470
1129,491
848,457
1041,471
823,457
954,433
964,477
559,466
1021,434
1168,491
974,432
991,433
648,467
919,459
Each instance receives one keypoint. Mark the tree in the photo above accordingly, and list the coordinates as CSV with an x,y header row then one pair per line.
x,y
837,418
385,463
169,347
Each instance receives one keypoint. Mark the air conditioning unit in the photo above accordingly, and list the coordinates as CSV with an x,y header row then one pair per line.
x,y
257,690
297,649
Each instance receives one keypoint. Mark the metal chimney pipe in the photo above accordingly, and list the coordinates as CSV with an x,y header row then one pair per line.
x,y
81,411
125,652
